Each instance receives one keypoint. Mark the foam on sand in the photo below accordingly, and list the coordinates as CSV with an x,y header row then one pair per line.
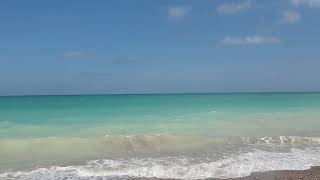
x,y
177,167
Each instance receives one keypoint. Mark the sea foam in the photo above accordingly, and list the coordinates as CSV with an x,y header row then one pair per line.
x,y
180,167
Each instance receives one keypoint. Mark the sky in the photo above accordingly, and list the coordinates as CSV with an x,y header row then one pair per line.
x,y
158,46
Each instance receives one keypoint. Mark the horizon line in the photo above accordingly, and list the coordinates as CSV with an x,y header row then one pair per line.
x,y
168,93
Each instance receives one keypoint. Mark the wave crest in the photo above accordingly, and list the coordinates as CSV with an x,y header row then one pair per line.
x,y
282,140
176,167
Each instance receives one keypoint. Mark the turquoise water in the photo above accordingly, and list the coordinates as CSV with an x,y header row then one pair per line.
x,y
124,135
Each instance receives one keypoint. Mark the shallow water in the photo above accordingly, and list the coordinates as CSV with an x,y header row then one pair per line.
x,y
185,136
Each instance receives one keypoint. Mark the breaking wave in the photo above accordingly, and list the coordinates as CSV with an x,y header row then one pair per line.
x,y
180,167
160,156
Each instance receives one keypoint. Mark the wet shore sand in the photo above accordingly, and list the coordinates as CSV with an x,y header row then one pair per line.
x,y
309,174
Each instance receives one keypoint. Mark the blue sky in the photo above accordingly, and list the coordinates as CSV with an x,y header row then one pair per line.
x,y
143,46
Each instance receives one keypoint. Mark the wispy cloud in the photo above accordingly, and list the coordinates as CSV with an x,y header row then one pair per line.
x,y
250,40
290,17
75,54
308,3
233,8
179,12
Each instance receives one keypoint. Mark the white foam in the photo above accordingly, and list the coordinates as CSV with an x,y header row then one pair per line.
x,y
177,167
282,140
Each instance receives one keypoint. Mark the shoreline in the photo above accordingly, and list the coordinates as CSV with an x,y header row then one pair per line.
x,y
312,173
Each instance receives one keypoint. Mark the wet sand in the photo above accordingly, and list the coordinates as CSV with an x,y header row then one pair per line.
x,y
309,174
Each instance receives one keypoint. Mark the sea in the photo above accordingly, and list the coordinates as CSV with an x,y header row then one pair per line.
x,y
169,136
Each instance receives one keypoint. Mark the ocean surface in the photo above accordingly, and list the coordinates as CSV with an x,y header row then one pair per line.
x,y
183,136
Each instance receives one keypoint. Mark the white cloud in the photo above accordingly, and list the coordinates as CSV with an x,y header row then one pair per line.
x,y
179,12
75,54
233,8
250,40
290,17
308,3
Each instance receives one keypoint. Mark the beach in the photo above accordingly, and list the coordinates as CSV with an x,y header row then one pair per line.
x,y
309,174
160,90
174,136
